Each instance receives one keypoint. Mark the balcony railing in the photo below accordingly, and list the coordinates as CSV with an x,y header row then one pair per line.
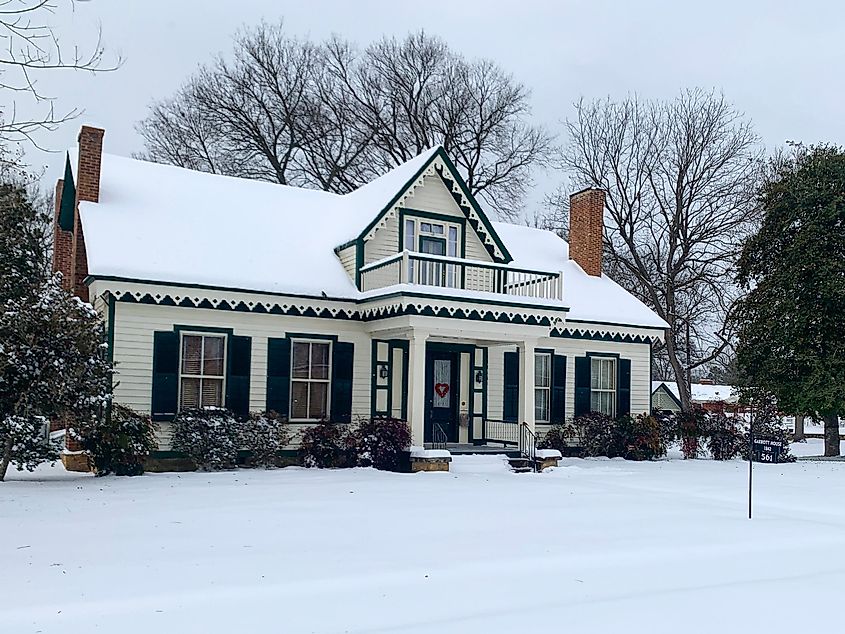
x,y
433,270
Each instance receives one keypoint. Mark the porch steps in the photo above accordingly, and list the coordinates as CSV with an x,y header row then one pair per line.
x,y
521,465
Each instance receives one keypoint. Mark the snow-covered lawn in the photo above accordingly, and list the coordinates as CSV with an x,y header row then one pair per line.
x,y
593,546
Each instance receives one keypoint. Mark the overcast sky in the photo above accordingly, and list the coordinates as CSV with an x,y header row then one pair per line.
x,y
782,63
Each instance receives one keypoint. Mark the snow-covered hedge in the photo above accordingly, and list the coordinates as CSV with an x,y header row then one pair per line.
x,y
119,441
263,435
209,437
382,442
328,445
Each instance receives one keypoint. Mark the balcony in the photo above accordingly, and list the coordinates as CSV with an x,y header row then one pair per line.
x,y
422,269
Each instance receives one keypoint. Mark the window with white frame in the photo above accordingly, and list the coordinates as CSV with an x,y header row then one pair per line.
x,y
202,370
542,387
310,379
432,238
603,385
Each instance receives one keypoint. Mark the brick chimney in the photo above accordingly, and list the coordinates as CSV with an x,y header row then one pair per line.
x,y
88,190
586,229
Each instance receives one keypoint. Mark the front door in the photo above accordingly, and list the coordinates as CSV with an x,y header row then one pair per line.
x,y
441,393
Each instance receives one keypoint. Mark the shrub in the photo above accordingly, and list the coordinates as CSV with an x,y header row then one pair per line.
x,y
381,442
558,437
264,435
629,437
691,428
596,431
724,438
209,437
119,442
667,424
328,445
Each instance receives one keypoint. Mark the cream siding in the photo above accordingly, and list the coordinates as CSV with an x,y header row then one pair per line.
x,y
638,353
432,196
136,323
347,259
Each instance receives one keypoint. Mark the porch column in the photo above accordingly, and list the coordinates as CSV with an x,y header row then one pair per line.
x,y
526,382
416,386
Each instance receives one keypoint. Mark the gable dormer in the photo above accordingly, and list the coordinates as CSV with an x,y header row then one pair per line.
x,y
426,209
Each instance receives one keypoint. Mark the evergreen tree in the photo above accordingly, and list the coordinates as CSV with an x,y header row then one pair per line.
x,y
52,361
791,324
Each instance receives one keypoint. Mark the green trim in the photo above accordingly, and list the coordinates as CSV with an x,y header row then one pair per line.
x,y
374,386
398,194
613,323
488,227
359,261
650,378
431,215
615,338
67,202
467,300
110,328
431,239
305,335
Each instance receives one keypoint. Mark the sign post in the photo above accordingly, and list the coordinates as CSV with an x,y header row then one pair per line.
x,y
760,450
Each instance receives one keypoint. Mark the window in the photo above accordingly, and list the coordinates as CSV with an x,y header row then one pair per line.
x,y
202,371
603,385
436,239
542,387
310,378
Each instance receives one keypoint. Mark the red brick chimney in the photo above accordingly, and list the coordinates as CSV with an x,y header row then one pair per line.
x,y
586,229
87,189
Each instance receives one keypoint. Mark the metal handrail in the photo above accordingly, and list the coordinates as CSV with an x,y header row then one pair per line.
x,y
528,445
439,439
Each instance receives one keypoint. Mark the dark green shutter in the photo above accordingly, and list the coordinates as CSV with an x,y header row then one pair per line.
x,y
510,406
342,369
582,386
623,388
237,374
278,376
165,397
558,413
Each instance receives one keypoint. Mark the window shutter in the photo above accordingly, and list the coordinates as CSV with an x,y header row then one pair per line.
x,y
342,370
165,396
510,398
558,414
278,376
623,387
237,374
582,386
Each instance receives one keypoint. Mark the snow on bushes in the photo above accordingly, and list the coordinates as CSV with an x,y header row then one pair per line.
x,y
328,445
263,435
209,437
119,441
377,442
381,442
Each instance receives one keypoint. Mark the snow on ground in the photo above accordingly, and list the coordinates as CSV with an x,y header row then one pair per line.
x,y
593,546
812,447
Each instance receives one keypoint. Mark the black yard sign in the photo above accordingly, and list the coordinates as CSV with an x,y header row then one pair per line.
x,y
765,450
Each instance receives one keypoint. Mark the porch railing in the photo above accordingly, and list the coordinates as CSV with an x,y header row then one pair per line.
x,y
500,431
528,445
433,270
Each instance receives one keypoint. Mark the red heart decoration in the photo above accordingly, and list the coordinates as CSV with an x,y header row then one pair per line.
x,y
442,389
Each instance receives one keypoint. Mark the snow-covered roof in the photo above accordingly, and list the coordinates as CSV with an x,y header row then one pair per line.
x,y
590,298
701,392
162,223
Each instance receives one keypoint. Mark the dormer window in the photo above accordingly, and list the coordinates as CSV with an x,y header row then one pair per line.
x,y
433,238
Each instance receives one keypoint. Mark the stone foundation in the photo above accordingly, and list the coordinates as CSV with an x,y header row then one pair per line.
x,y
429,464
76,461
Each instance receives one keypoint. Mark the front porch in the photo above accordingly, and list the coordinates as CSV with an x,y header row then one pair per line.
x,y
452,387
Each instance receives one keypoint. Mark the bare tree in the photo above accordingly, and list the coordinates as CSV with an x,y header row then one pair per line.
x,y
332,116
680,178
31,47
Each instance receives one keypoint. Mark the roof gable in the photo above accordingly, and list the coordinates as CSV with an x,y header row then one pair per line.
x,y
433,162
